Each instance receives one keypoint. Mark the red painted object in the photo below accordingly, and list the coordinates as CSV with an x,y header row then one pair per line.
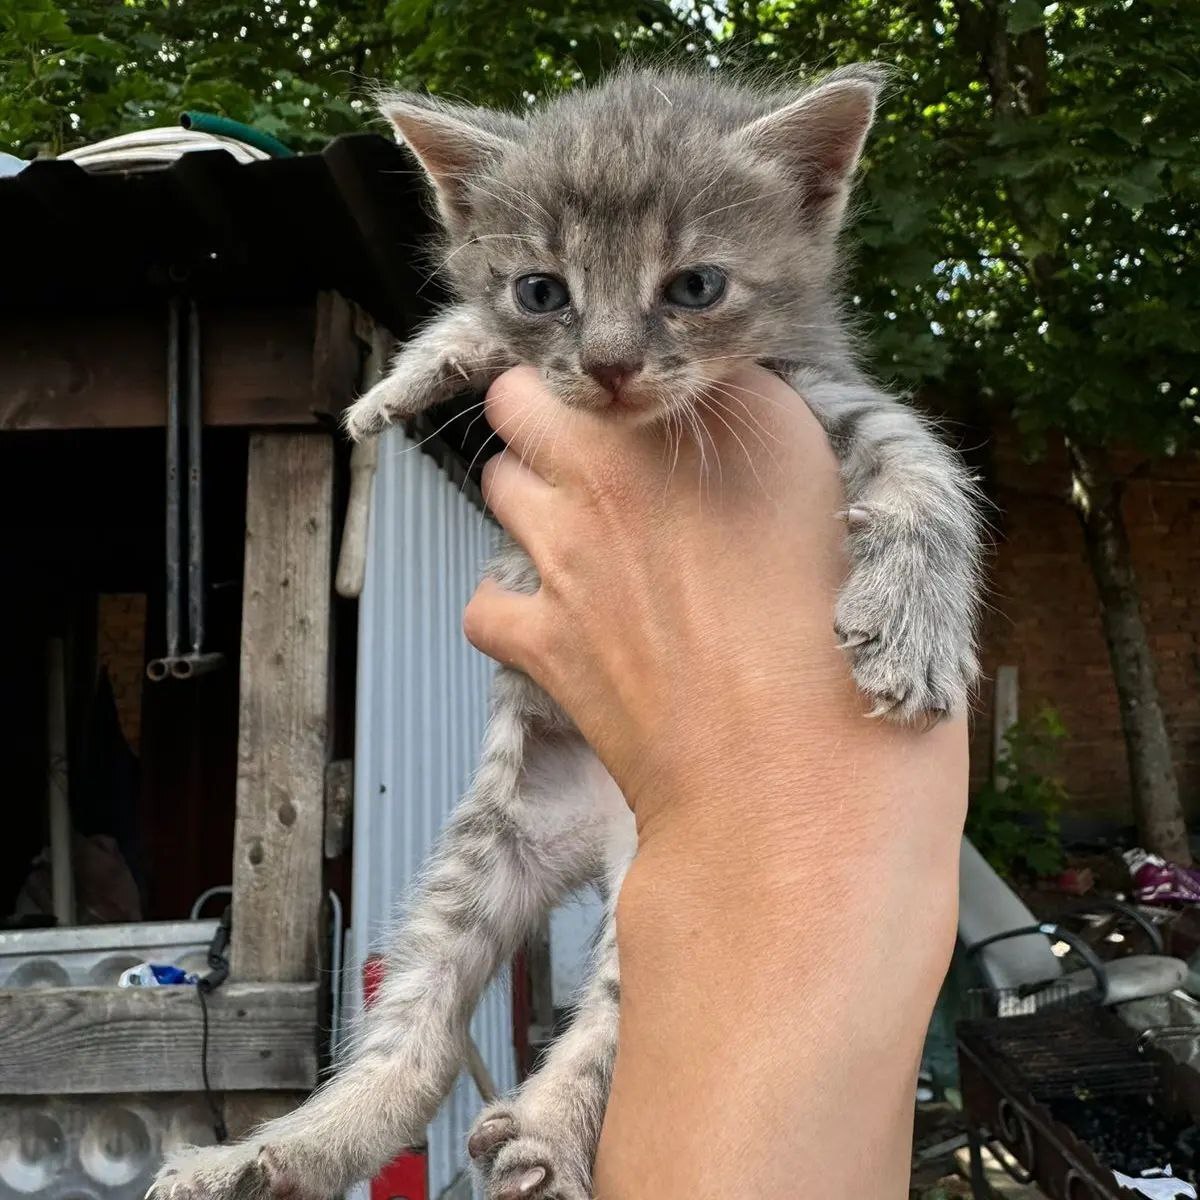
x,y
406,1177
522,1002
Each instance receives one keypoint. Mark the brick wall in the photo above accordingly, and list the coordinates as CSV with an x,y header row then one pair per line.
x,y
1046,621
121,648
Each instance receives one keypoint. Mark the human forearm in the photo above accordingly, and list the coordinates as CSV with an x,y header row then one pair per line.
x,y
778,975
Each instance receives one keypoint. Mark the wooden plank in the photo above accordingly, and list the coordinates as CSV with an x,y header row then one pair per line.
x,y
77,1041
364,458
283,713
109,371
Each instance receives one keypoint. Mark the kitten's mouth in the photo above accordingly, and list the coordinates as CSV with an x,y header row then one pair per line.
x,y
633,401
629,400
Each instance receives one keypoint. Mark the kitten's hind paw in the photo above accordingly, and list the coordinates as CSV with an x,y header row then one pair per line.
x,y
516,1163
246,1171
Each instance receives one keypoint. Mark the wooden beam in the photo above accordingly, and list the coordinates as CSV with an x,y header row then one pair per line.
x,y
109,371
337,352
283,715
85,1041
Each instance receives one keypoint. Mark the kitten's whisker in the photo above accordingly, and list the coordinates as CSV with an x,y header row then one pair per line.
x,y
539,430
516,191
541,438
494,434
780,404
700,432
444,425
679,192
480,237
751,426
710,404
737,204
747,416
674,434
474,366
501,200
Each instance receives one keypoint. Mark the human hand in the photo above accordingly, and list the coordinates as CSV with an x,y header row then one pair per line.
x,y
688,583
796,861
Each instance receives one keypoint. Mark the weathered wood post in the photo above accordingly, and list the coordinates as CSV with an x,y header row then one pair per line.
x,y
283,721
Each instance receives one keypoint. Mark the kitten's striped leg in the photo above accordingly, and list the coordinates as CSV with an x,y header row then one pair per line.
x,y
448,357
488,883
907,612
541,1144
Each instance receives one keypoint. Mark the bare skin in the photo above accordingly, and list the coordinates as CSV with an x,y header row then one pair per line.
x,y
790,914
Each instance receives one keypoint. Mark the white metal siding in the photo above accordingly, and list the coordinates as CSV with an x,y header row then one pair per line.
x,y
421,707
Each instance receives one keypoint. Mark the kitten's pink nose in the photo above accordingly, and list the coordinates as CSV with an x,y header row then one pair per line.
x,y
612,376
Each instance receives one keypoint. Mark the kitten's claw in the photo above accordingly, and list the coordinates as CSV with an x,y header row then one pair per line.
x,y
854,517
853,640
518,1160
889,705
363,420
884,708
525,1185
933,718
490,1134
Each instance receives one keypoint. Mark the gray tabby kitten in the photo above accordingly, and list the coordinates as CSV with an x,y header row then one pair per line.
x,y
635,241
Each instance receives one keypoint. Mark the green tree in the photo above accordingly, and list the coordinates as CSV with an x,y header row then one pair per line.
x,y
1028,226
1031,246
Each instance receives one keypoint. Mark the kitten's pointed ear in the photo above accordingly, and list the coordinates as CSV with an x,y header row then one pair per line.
x,y
818,138
453,143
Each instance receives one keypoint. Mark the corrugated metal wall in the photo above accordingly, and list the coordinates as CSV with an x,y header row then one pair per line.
x,y
421,707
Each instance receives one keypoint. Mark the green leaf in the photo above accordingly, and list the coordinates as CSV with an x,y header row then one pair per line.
x,y
1024,15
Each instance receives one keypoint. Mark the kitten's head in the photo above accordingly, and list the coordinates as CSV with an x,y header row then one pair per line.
x,y
638,240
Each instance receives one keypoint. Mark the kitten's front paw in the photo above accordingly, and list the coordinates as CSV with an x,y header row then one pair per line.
x,y
518,1160
906,618
376,409
247,1171
420,377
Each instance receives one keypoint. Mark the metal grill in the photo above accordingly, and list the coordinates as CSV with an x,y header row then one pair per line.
x,y
1071,1054
1065,1096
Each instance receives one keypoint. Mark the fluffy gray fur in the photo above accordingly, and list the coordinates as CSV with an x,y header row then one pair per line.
x,y
613,190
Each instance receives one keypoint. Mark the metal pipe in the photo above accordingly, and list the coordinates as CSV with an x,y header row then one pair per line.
x,y
195,495
336,938
188,666
62,877
173,664
174,580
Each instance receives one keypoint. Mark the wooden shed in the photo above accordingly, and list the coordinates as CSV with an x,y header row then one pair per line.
x,y
179,672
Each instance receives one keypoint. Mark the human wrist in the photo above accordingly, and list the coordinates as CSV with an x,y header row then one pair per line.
x,y
812,843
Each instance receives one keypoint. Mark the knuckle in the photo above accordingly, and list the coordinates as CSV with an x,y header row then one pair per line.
x,y
475,622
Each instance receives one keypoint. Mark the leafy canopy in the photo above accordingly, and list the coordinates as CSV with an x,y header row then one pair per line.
x,y
1027,227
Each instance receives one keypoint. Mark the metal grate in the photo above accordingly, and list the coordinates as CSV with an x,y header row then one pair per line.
x,y
1076,1053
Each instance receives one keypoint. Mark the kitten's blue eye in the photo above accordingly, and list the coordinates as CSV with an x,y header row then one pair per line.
x,y
541,293
697,287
